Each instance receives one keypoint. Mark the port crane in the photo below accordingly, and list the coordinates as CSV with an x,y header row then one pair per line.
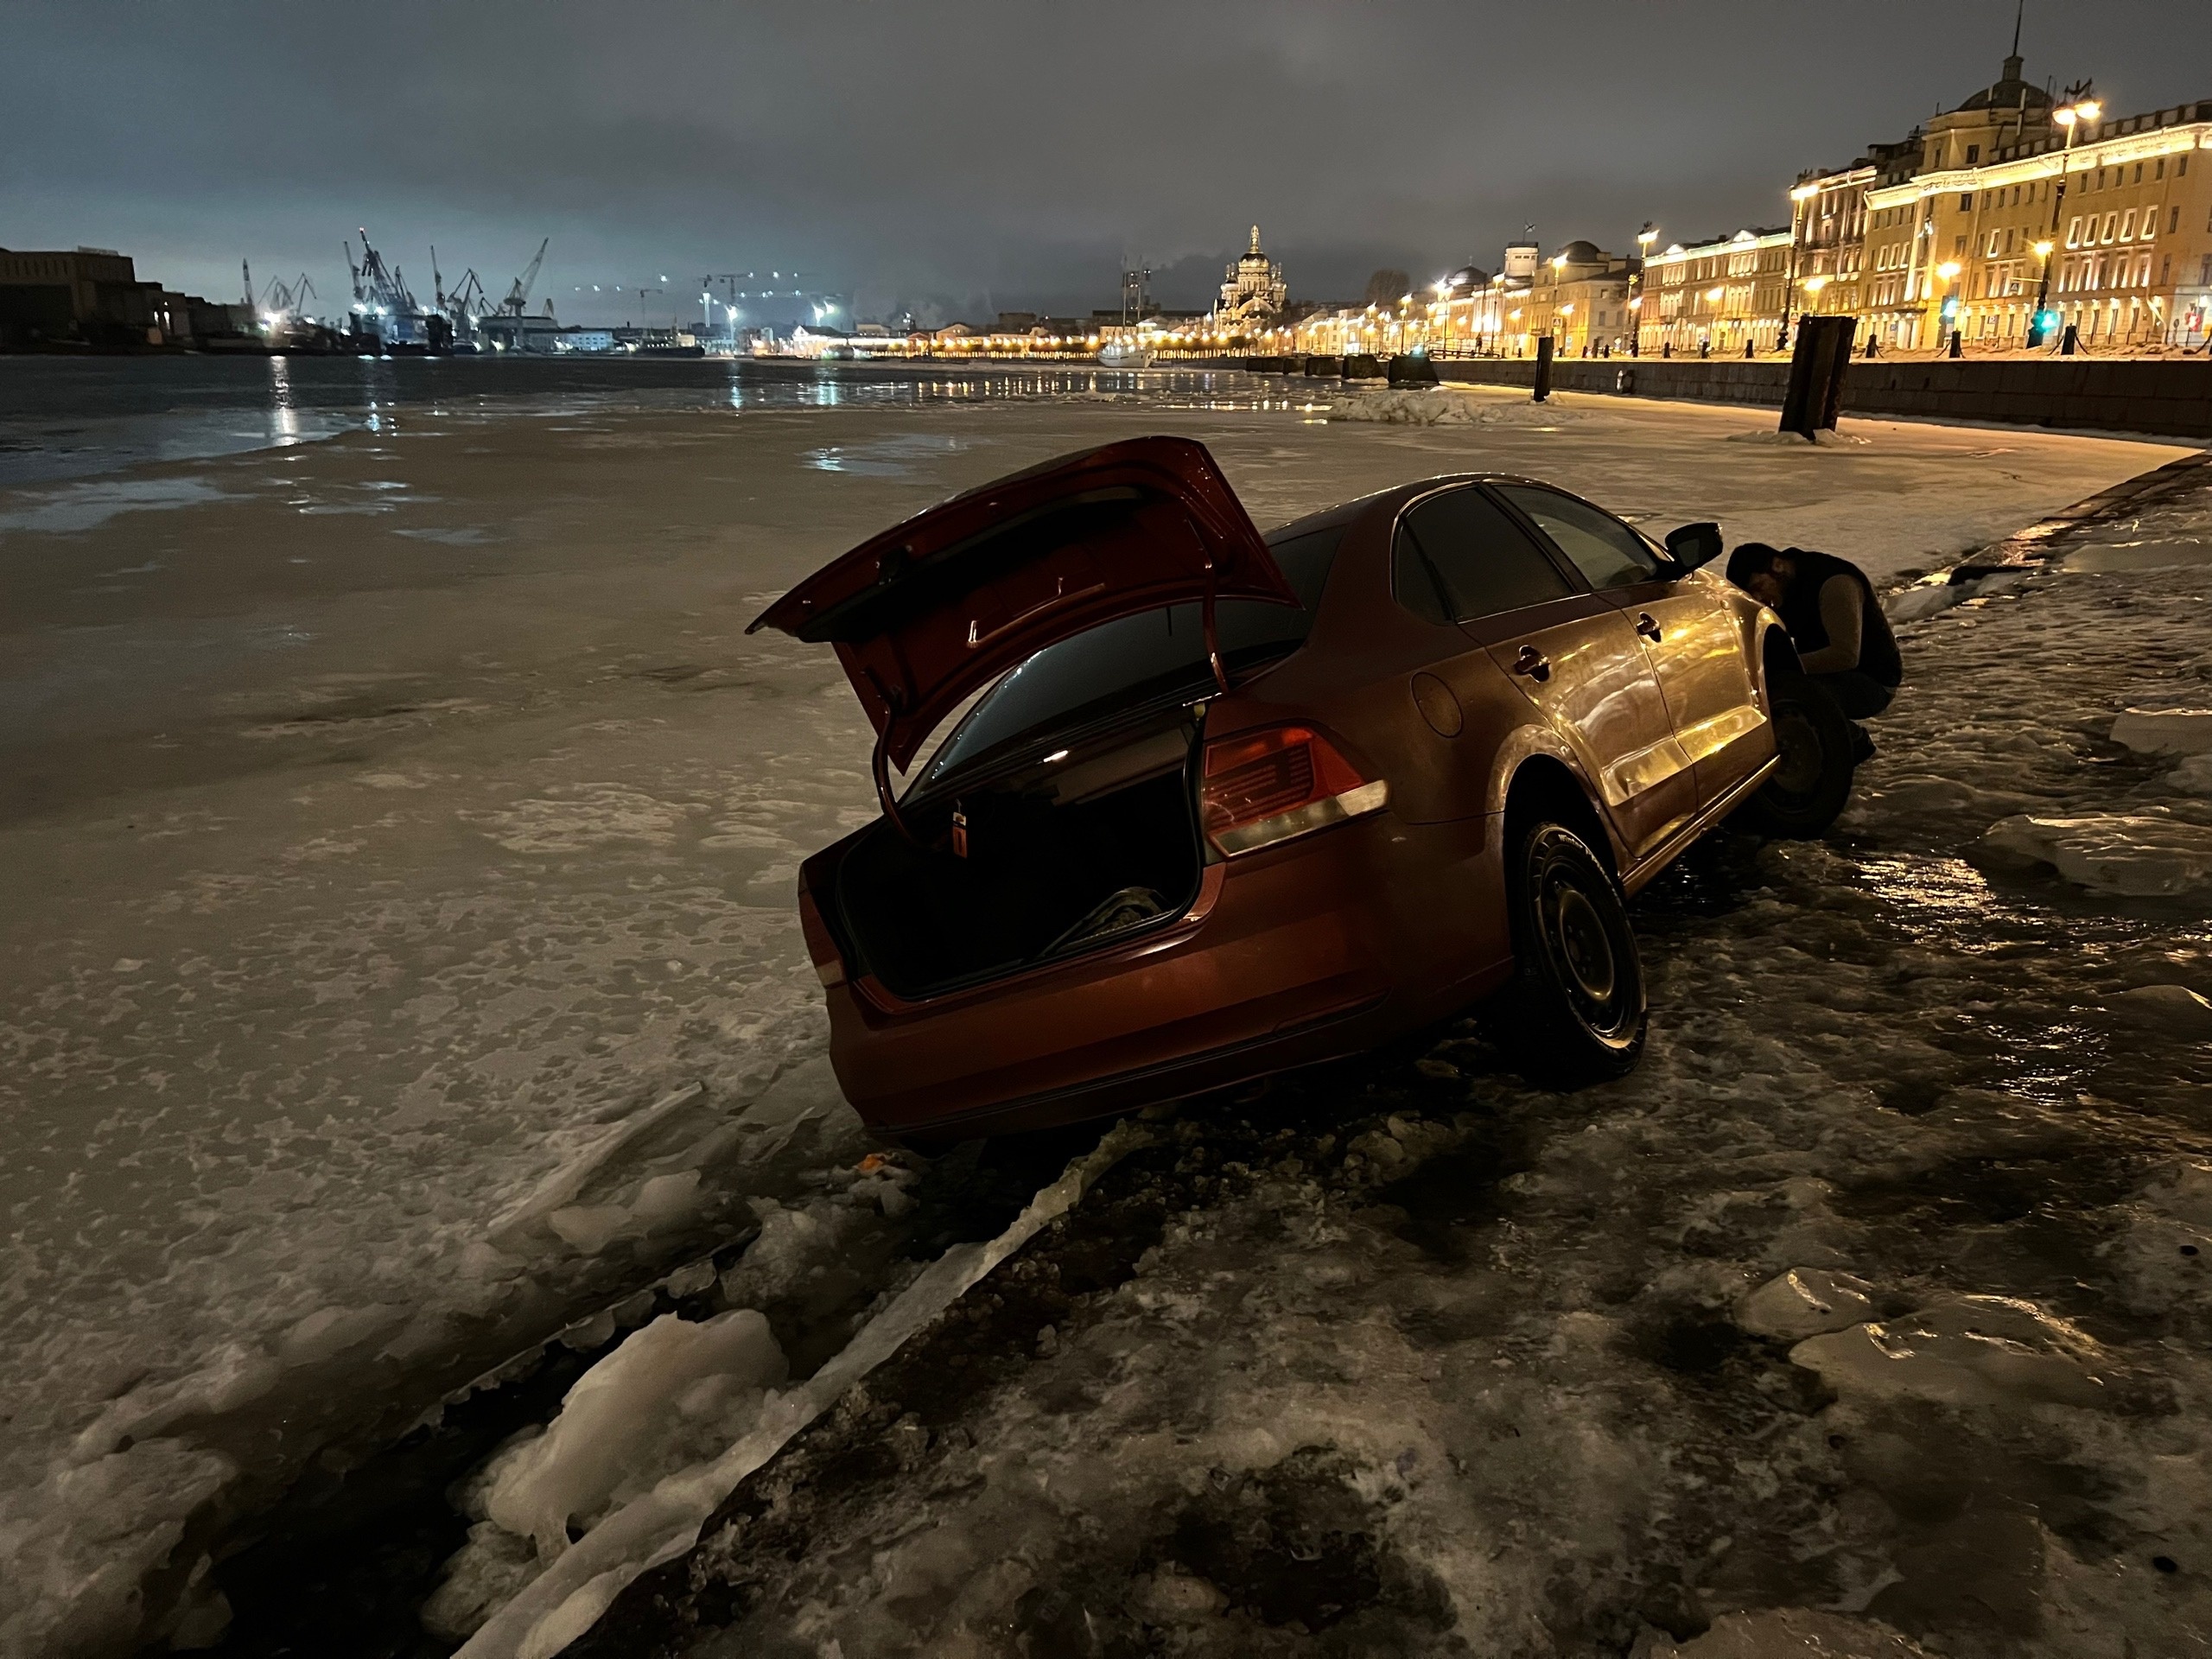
x,y
288,299
377,288
465,304
517,298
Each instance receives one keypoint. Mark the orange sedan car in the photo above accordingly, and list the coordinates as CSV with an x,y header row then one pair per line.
x,y
1229,805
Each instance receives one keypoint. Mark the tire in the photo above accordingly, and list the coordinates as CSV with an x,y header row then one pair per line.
x,y
1807,792
1576,1011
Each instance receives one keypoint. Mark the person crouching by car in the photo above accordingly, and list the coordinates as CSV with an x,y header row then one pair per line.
x,y
1843,641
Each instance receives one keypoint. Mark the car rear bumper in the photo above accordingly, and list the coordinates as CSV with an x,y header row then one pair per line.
x,y
1315,949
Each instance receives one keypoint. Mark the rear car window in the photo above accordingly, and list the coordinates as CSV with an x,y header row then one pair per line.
x,y
1459,557
1605,550
1140,658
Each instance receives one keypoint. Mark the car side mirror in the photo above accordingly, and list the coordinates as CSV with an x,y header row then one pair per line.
x,y
1693,545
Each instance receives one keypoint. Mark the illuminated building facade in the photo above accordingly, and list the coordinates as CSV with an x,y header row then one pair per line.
x,y
1950,230
1580,297
1713,298
1827,227
2124,216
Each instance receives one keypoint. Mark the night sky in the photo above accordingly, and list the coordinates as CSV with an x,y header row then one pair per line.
x,y
956,158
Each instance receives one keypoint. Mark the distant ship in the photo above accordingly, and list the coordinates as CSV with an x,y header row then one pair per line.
x,y
1125,354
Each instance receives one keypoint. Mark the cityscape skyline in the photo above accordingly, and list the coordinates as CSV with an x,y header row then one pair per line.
x,y
669,159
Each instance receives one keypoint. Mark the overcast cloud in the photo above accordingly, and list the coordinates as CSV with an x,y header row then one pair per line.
x,y
958,156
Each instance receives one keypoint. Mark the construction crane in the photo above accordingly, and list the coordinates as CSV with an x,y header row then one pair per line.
x,y
729,279
517,298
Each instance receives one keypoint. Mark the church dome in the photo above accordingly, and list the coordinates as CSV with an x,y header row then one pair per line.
x,y
1465,277
1582,253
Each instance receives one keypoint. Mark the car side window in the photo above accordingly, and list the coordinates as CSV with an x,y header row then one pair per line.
x,y
1603,549
1459,556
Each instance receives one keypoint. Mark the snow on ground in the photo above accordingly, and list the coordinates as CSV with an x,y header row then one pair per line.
x,y
1870,1317
1447,406
398,828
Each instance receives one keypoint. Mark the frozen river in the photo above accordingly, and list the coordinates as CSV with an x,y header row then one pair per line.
x,y
397,822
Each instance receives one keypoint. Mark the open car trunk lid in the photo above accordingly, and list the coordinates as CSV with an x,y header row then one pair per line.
x,y
938,607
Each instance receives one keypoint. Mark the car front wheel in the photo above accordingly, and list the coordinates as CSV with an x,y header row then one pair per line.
x,y
1811,781
1576,1012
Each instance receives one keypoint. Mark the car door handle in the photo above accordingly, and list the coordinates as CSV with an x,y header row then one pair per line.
x,y
1534,664
1647,628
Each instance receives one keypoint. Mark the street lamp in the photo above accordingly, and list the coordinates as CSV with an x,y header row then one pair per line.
x,y
2078,110
1644,238
1798,198
1947,309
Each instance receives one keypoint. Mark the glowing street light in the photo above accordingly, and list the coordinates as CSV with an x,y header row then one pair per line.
x,y
2078,110
1644,238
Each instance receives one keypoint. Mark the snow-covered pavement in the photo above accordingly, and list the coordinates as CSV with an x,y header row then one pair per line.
x,y
1869,1317
395,828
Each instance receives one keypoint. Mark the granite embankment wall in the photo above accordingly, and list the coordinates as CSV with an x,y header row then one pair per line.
x,y
2170,398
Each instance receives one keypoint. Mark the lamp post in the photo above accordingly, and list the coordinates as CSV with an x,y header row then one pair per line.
x,y
1945,306
1644,238
1798,198
2078,109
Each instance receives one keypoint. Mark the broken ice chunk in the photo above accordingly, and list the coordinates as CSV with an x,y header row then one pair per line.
x,y
589,1228
667,1199
2164,731
1968,1350
2193,776
2175,1008
615,1427
330,1332
1805,1302
2146,855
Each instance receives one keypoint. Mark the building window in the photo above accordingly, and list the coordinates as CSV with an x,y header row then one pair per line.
x,y
2174,223
1974,154
2127,226
1966,202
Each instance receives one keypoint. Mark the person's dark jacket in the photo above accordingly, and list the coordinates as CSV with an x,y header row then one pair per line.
x,y
1800,614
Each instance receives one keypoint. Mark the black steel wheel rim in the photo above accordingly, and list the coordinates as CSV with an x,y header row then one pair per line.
x,y
1580,935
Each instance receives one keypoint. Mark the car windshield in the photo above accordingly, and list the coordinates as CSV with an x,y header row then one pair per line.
x,y
1137,659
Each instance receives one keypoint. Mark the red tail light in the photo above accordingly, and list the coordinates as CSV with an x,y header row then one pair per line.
x,y
1263,787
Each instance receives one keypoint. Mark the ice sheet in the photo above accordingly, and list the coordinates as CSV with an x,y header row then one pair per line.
x,y
360,880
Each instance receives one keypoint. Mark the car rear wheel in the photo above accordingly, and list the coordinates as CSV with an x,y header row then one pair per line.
x,y
1576,1011
1808,791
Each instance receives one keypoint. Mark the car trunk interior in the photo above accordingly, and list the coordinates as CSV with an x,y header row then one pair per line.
x,y
1061,857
